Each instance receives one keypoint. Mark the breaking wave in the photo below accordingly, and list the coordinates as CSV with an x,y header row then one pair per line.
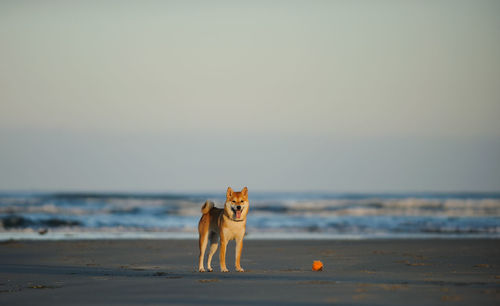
x,y
281,214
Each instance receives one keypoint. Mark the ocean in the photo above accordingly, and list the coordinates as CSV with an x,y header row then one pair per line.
x,y
272,215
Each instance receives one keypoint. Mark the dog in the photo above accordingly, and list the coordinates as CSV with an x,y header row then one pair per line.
x,y
228,223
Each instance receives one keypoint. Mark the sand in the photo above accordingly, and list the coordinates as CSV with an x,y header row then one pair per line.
x,y
371,272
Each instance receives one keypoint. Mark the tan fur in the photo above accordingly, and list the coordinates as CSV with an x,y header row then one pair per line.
x,y
225,224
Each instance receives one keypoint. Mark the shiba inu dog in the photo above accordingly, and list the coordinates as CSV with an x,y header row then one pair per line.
x,y
228,223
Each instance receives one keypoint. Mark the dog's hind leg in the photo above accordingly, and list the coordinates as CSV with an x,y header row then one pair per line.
x,y
203,245
214,243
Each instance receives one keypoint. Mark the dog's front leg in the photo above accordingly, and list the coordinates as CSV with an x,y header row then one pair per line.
x,y
239,247
222,254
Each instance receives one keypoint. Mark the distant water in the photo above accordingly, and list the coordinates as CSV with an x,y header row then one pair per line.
x,y
272,215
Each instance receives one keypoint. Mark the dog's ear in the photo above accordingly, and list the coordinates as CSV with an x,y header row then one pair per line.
x,y
229,192
244,192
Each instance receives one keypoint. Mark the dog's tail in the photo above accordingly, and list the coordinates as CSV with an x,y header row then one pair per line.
x,y
205,209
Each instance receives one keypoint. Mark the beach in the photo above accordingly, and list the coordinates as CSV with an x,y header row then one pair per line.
x,y
360,136
154,272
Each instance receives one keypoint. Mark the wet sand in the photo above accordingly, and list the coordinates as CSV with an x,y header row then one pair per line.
x,y
372,272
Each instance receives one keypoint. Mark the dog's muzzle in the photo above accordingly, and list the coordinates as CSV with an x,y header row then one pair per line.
x,y
237,211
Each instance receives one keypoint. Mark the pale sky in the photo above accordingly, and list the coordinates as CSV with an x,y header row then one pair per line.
x,y
175,96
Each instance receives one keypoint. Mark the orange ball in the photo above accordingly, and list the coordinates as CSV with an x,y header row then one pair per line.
x,y
317,265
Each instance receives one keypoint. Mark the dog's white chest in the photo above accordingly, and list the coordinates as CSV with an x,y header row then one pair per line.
x,y
234,230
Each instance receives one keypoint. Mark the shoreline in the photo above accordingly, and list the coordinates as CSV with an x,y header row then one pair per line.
x,y
63,235
357,272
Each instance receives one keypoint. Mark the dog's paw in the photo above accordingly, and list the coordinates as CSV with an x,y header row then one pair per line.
x,y
224,270
201,270
240,269
210,269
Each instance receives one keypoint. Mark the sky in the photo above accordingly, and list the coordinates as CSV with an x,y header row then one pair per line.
x,y
190,96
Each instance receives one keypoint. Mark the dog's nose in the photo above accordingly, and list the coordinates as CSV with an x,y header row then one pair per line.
x,y
238,207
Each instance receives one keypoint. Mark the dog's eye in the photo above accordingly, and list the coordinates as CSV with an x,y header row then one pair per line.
x,y
242,201
234,201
